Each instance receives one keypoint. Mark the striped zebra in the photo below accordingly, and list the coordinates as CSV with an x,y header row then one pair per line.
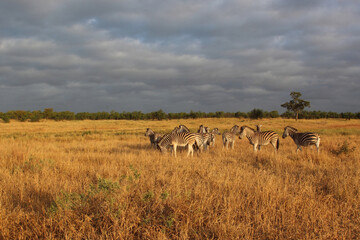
x,y
229,137
203,129
258,139
175,139
182,128
154,137
204,140
302,139
214,132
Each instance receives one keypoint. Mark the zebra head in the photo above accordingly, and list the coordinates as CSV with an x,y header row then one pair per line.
x,y
235,129
163,143
148,132
163,150
245,131
216,131
289,131
182,128
201,129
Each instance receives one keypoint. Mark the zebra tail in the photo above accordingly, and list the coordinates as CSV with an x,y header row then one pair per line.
x,y
277,144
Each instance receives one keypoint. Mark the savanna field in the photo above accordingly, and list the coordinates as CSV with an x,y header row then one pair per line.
x,y
102,180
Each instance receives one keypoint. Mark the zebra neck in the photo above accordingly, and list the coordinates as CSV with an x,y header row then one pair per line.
x,y
292,134
250,138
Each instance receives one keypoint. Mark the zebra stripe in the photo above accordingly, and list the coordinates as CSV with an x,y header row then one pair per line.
x,y
182,129
154,137
229,137
258,139
302,139
203,140
201,129
214,132
175,139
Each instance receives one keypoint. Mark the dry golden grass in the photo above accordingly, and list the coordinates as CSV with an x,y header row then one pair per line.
x,y
101,180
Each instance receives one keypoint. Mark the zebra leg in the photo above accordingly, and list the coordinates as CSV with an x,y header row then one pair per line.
x,y
298,148
232,144
205,146
255,146
190,147
317,144
259,147
174,147
274,145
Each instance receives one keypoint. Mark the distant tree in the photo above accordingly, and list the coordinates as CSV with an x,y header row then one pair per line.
x,y
35,116
159,115
347,115
48,113
241,115
296,105
256,113
274,114
219,114
4,117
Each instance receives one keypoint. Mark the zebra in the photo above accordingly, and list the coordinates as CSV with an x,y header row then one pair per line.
x,y
182,128
258,128
203,129
229,137
258,139
214,132
154,137
178,139
203,140
302,139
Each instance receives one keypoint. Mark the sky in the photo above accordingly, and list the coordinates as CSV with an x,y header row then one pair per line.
x,y
179,55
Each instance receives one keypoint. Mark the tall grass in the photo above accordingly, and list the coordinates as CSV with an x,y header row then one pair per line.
x,y
101,180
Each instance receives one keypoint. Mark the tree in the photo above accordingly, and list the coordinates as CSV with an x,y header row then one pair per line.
x,y
256,113
296,105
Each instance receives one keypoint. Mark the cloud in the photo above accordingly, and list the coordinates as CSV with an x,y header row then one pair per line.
x,y
178,55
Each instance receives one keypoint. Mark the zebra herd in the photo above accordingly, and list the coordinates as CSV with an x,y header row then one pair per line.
x,y
204,138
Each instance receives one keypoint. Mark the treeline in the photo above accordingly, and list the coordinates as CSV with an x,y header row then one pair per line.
x,y
48,113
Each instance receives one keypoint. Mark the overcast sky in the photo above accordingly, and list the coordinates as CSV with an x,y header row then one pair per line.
x,y
132,55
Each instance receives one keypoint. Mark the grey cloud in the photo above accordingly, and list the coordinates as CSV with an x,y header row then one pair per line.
x,y
178,55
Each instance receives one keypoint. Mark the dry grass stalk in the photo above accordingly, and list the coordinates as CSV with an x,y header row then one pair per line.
x,y
101,179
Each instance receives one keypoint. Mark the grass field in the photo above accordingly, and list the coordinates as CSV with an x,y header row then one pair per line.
x,y
101,180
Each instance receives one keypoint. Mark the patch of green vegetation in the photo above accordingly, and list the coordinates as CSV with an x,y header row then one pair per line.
x,y
98,194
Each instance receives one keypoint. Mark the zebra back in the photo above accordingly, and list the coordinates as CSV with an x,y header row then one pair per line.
x,y
177,138
302,139
257,138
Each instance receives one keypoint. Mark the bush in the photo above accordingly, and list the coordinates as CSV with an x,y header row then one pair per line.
x,y
256,114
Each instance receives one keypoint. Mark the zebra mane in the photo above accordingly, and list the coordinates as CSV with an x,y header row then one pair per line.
x,y
184,127
164,137
245,126
291,128
175,129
